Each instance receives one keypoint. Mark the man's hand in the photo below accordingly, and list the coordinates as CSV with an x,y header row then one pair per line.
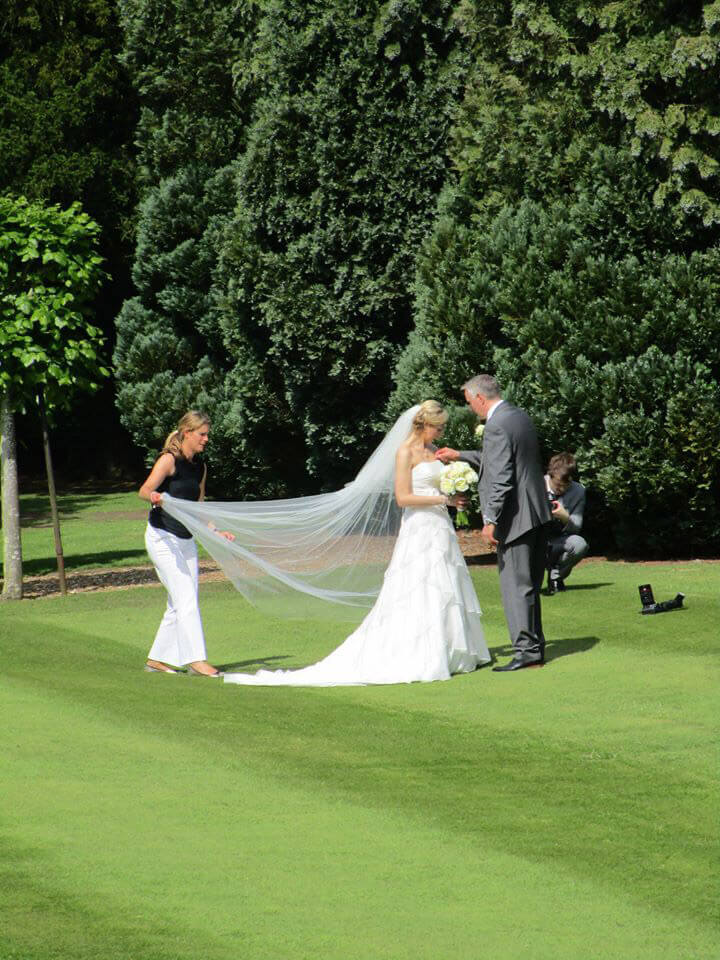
x,y
488,534
446,454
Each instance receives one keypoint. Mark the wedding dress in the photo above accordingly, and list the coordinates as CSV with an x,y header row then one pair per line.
x,y
425,623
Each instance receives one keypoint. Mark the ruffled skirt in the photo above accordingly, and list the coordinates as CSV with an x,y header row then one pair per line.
x,y
425,624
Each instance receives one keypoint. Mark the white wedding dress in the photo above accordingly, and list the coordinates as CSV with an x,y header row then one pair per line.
x,y
425,624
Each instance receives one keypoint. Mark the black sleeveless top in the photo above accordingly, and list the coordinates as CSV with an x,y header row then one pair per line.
x,y
184,484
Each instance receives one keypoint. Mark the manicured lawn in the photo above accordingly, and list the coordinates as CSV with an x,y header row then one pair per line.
x,y
565,813
97,530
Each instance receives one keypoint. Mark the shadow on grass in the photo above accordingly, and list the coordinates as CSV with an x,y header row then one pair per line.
x,y
481,560
555,649
72,562
238,665
569,645
35,509
569,587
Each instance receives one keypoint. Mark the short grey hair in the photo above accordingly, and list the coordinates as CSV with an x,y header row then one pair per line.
x,y
483,384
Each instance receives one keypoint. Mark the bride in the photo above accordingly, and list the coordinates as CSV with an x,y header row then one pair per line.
x,y
425,622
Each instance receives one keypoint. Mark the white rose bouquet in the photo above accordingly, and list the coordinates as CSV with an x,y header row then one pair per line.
x,y
455,478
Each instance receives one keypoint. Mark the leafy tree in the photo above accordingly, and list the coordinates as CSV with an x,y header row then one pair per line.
x,y
170,354
288,297
335,193
654,66
561,259
530,186
67,121
49,273
67,111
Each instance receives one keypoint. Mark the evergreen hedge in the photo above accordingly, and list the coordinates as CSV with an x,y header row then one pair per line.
x,y
281,298
568,258
334,193
67,122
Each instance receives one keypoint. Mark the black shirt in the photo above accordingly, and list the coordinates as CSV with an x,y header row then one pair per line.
x,y
184,484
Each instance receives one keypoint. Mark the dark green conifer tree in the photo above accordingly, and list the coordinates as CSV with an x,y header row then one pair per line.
x,y
67,121
575,254
291,156
170,354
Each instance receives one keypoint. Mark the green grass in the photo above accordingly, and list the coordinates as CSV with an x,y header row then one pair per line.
x,y
97,530
565,813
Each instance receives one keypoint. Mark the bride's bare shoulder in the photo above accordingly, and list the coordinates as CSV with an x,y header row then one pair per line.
x,y
403,457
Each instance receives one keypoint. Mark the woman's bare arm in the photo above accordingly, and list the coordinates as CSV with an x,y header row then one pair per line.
x,y
404,496
164,468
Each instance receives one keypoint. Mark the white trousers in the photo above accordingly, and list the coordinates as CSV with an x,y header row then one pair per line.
x,y
179,639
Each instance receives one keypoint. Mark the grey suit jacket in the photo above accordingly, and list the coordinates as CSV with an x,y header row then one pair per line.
x,y
512,485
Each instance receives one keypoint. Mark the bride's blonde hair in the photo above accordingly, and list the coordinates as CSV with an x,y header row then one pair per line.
x,y
192,420
430,414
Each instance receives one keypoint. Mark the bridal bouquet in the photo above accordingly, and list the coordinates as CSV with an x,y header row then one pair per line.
x,y
455,478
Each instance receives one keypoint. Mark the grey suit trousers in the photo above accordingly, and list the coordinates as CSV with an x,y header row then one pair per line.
x,y
565,552
522,567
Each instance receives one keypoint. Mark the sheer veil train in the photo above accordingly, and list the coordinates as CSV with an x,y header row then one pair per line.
x,y
316,556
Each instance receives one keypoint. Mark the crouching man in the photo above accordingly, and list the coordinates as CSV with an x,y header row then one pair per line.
x,y
566,547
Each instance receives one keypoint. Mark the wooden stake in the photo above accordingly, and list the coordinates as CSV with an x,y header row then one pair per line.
x,y
53,497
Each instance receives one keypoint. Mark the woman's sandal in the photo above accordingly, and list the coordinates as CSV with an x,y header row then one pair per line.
x,y
192,672
149,669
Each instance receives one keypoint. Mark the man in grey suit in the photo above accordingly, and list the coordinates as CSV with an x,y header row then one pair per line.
x,y
516,512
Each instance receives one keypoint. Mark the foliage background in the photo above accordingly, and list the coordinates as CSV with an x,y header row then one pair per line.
x,y
575,253
67,118
49,270
281,263
340,208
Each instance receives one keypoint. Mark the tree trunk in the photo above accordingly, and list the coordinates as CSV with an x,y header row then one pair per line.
x,y
53,497
12,544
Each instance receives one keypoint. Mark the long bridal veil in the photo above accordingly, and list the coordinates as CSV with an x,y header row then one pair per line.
x,y
323,555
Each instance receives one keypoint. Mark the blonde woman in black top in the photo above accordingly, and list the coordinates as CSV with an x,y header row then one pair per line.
x,y
179,640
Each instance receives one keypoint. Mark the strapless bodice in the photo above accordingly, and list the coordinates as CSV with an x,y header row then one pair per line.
x,y
426,478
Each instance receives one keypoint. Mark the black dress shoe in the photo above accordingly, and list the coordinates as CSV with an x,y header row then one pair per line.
x,y
518,663
555,586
